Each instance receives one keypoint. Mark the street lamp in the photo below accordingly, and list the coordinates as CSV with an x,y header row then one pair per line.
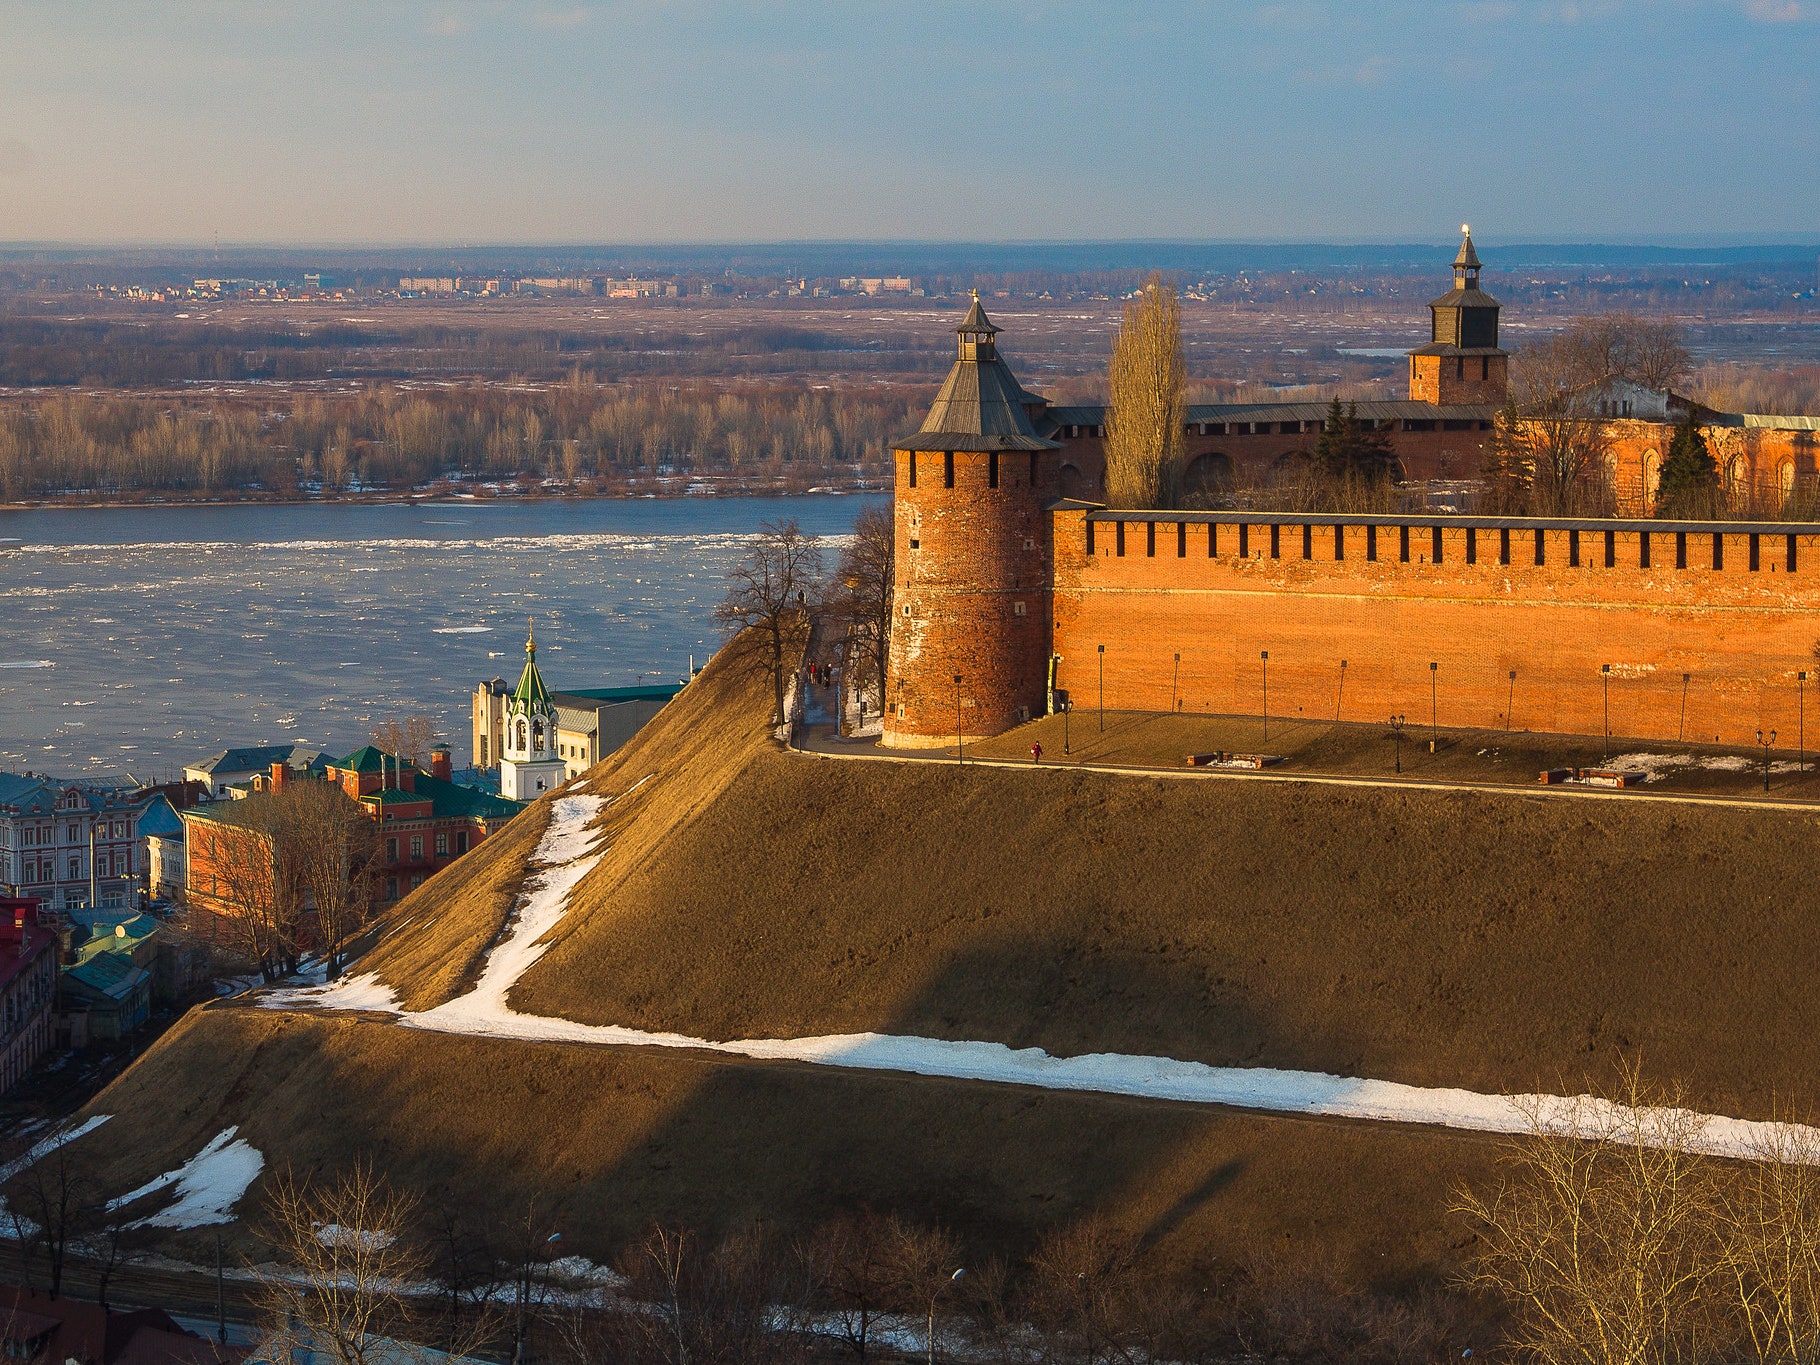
x,y
1340,697
1102,689
524,1302
960,753
952,1279
1605,675
1681,734
1264,655
1175,681
1396,733
1801,721
1067,707
1434,706
1766,743
1510,704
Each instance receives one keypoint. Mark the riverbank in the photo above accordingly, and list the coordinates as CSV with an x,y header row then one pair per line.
x,y
820,483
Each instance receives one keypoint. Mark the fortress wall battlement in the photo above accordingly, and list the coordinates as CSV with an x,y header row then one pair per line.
x,y
1703,635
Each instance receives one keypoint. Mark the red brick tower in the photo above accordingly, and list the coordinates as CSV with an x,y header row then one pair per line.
x,y
974,555
1462,362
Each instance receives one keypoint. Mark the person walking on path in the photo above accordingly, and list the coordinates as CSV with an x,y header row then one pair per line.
x,y
1036,752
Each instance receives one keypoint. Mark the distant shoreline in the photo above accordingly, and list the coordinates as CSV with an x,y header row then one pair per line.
x,y
658,489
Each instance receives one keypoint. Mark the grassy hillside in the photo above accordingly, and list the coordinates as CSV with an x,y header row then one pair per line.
x,y
608,1140
1482,940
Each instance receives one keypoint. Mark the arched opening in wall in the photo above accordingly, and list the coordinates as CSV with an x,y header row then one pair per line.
x,y
1737,482
523,737
1611,473
1207,476
537,736
1072,481
1652,477
1785,480
1289,468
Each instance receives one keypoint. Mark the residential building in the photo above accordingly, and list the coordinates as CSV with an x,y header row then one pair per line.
x,y
37,1328
161,833
28,987
222,772
593,723
102,1000
426,822
69,843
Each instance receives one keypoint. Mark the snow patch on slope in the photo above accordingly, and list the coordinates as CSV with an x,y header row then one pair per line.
x,y
208,1185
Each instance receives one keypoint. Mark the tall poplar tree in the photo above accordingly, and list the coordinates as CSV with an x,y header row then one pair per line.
x,y
1144,383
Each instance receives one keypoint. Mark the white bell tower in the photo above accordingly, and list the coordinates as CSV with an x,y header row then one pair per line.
x,y
529,765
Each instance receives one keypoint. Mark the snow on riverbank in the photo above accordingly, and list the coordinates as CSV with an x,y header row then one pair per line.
x,y
568,852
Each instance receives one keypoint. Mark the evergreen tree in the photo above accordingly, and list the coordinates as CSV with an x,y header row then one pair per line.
x,y
1509,469
1330,449
1349,451
1690,475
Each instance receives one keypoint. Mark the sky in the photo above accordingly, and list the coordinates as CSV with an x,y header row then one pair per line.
x,y
478,122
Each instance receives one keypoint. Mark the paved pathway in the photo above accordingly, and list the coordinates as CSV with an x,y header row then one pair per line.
x,y
818,740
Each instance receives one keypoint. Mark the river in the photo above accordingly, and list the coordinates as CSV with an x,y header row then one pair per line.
x,y
134,640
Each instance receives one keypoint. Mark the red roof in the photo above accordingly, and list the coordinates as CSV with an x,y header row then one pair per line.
x,y
35,1326
22,940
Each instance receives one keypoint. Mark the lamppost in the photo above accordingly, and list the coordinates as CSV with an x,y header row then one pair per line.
x,y
1340,696
1681,734
1102,689
952,1279
1067,707
1434,706
1605,676
1510,704
1801,721
1175,681
1264,655
960,753
524,1301
1766,743
1396,733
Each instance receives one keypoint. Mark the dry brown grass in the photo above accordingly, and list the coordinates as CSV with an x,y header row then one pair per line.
x,y
608,1140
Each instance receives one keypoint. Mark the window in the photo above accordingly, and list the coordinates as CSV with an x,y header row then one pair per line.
x,y
1033,469
992,470
391,850
1017,609
948,469
417,848
1029,544
461,841
910,465
416,880
391,888
915,544
75,870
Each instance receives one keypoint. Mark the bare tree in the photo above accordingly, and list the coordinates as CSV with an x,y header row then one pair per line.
x,y
346,1258
768,598
1598,1236
1083,1275
55,1202
334,848
1563,439
1655,352
241,880
864,582
708,1306
1144,383
1769,1227
410,736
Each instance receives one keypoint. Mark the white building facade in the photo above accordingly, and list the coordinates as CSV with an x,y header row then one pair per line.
x,y
529,762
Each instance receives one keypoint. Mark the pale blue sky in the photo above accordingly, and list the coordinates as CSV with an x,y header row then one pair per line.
x,y
478,121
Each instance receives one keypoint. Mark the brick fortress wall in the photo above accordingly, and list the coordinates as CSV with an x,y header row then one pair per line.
x,y
972,594
1734,607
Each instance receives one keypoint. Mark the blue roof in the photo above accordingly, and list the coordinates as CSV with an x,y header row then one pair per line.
x,y
159,821
656,692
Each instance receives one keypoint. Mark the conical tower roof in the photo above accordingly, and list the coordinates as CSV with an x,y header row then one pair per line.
x,y
981,404
531,694
1468,259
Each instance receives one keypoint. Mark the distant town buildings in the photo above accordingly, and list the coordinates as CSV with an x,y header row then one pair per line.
x,y
221,773
69,844
590,723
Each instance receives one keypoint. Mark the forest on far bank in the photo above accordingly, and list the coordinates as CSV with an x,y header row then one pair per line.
x,y
385,437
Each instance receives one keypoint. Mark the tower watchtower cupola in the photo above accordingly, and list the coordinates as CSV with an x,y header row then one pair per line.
x,y
976,334
1461,364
